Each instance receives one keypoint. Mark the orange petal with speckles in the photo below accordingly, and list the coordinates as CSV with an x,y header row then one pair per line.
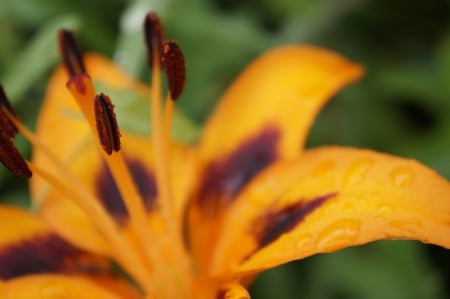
x,y
348,196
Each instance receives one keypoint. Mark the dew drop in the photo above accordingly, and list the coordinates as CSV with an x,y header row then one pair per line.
x,y
385,209
304,243
357,171
339,234
402,176
407,225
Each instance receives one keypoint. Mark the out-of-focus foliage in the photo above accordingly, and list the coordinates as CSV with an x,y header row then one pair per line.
x,y
401,106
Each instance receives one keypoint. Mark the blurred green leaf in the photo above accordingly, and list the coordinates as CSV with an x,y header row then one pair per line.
x,y
40,54
384,269
389,270
216,46
443,64
19,197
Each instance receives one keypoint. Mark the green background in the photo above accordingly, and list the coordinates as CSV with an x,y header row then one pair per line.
x,y
402,106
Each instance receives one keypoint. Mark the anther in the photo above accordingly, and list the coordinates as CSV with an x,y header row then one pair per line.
x,y
6,126
107,128
153,35
11,158
173,61
70,53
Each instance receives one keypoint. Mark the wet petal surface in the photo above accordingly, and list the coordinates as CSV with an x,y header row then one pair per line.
x,y
368,196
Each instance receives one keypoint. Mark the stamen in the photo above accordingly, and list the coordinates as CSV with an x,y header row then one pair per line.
x,y
125,252
153,36
173,62
107,128
168,122
81,87
122,176
70,53
153,39
84,97
6,126
11,158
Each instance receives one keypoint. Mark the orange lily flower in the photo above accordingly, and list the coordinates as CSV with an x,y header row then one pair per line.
x,y
121,215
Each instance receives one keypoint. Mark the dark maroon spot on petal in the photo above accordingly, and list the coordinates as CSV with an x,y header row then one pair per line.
x,y
46,254
109,194
225,178
145,182
273,224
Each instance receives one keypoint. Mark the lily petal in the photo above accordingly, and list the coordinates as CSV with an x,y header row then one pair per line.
x,y
21,225
59,286
29,247
283,89
328,199
233,291
214,288
265,116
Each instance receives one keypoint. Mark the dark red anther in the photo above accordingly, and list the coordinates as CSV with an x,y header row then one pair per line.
x,y
70,53
173,62
107,128
9,155
11,158
153,36
6,126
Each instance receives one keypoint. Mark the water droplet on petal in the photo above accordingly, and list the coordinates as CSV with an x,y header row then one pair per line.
x,y
357,171
402,176
339,234
304,243
385,209
409,225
